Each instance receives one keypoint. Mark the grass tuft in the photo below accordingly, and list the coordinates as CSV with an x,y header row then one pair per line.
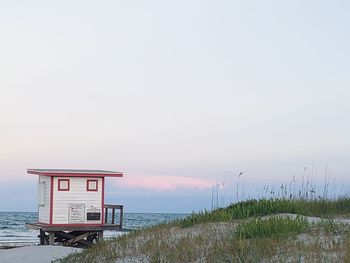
x,y
274,227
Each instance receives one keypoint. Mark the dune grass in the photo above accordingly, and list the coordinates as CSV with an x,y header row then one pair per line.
x,y
242,232
263,207
276,227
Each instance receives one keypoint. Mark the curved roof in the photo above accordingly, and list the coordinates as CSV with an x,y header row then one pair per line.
x,y
75,173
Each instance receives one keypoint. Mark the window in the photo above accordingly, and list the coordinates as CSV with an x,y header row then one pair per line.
x,y
92,185
63,184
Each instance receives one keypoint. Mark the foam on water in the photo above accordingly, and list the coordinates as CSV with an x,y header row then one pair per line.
x,y
13,231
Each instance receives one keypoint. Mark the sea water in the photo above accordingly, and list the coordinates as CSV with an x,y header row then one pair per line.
x,y
13,231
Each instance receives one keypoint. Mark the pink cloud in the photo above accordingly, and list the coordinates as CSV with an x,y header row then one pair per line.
x,y
163,183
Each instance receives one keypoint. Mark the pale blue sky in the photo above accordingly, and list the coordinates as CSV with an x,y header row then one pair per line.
x,y
195,91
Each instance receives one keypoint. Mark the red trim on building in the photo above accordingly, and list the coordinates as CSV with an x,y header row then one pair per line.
x,y
59,185
88,185
82,224
102,201
89,174
51,200
77,174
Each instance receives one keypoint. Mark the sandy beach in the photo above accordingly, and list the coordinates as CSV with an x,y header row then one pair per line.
x,y
35,254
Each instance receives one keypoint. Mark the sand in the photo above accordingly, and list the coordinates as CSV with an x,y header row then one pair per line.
x,y
35,254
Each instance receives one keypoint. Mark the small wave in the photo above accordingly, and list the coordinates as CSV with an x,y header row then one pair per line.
x,y
13,229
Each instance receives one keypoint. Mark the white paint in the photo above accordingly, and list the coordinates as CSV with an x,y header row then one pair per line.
x,y
41,193
44,209
77,194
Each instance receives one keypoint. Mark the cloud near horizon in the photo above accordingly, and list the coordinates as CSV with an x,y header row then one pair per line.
x,y
163,183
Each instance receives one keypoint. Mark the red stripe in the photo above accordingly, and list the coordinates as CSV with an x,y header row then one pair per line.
x,y
103,201
77,174
51,201
74,224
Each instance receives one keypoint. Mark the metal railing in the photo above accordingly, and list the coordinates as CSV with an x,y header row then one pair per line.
x,y
113,208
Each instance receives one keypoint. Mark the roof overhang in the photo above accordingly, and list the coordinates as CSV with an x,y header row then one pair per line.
x,y
74,173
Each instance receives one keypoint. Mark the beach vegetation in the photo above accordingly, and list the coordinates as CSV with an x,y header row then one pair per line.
x,y
267,229
263,207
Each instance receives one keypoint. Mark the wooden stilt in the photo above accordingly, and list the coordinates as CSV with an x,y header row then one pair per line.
x,y
78,238
100,235
74,238
51,238
113,215
121,217
42,237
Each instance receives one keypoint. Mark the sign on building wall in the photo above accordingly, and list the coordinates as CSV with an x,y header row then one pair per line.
x,y
93,213
76,213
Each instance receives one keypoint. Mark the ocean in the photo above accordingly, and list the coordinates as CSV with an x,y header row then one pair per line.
x,y
13,231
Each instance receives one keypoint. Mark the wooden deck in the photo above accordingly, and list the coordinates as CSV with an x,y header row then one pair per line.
x,y
78,235
46,227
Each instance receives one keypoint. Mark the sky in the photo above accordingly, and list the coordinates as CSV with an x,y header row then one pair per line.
x,y
181,96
